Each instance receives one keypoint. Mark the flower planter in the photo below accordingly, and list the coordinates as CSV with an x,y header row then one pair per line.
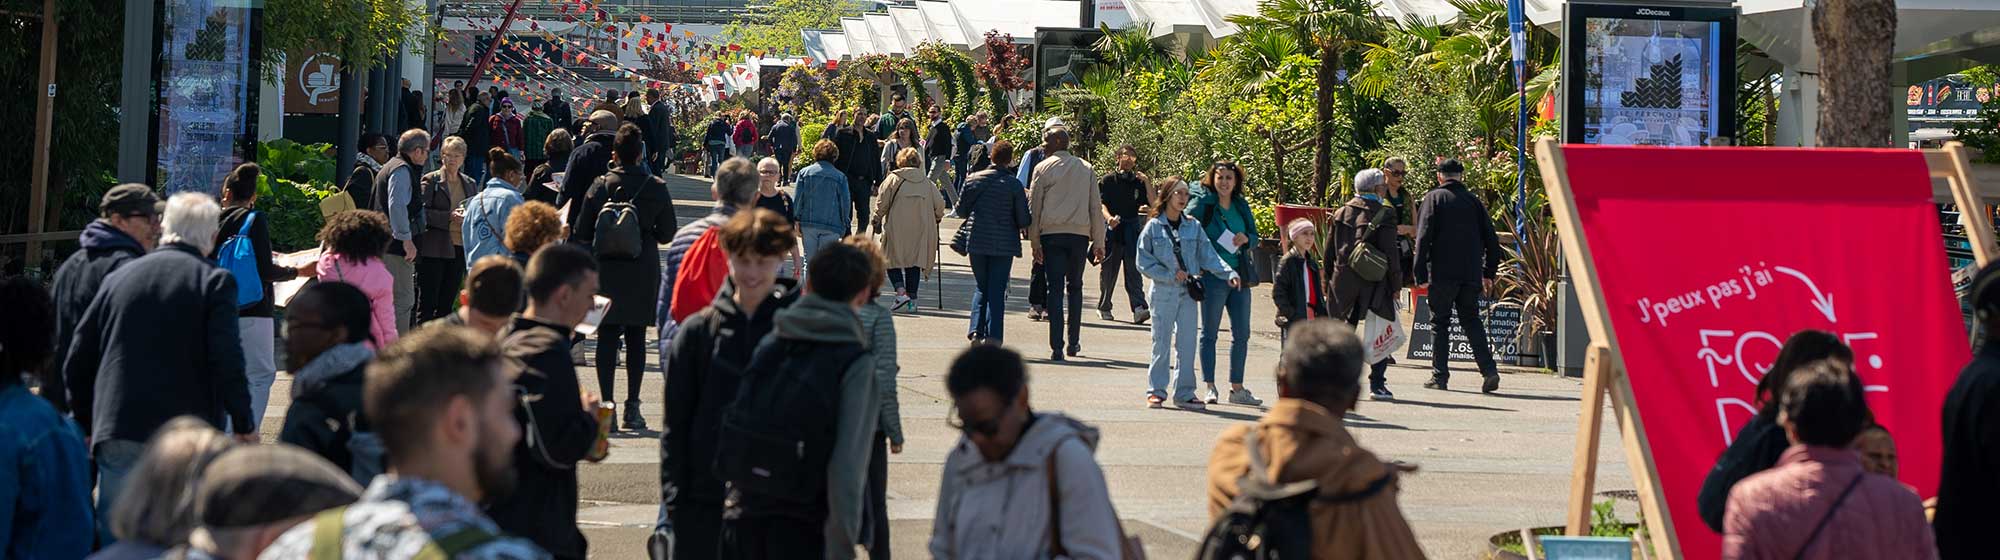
x,y
1285,213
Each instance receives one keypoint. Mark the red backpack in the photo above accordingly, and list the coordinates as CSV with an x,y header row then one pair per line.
x,y
703,268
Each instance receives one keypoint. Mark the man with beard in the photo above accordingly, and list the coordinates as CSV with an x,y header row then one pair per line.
x,y
562,279
444,399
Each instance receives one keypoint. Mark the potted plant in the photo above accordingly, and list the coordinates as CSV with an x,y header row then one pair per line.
x,y
1529,279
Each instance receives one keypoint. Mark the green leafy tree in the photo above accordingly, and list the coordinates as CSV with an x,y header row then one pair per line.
x,y
1333,28
360,32
773,25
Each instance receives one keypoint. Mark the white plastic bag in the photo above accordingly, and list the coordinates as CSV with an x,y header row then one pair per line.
x,y
1383,337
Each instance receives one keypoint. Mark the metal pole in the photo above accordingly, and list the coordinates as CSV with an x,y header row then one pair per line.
x,y
493,48
1087,13
135,123
45,105
350,124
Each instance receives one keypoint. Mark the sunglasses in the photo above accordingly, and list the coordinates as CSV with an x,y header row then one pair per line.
x,y
1399,173
987,428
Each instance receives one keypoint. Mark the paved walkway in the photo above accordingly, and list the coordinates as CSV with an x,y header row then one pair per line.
x,y
1490,463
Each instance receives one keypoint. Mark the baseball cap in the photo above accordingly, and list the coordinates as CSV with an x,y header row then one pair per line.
x,y
254,485
1451,166
131,198
1053,122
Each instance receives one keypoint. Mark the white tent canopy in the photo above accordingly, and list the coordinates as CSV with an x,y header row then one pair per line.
x,y
822,44
1013,17
860,40
888,38
942,23
1167,17
910,27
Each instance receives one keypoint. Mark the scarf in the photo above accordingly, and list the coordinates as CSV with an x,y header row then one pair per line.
x,y
330,364
369,161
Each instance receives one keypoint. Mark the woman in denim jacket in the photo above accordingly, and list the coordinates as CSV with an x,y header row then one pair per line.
x,y
1172,251
44,485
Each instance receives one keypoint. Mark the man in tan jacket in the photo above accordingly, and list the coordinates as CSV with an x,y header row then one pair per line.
x,y
1302,438
1066,225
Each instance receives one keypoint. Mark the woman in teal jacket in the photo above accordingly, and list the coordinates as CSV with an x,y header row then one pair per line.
x,y
1172,252
1231,229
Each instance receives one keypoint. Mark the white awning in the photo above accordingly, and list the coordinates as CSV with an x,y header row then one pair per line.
x,y
911,27
821,44
1215,14
887,39
1166,16
943,24
860,41
1014,17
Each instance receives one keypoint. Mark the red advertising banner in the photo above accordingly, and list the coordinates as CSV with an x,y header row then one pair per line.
x,y
1709,258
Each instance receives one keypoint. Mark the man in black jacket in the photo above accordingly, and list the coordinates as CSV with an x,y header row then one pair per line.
x,y
412,108
716,140
1967,487
659,133
588,162
1457,257
159,341
558,110
127,227
1124,192
937,155
477,130
327,353
704,363
559,420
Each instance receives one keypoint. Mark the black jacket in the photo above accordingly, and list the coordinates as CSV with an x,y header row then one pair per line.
x,y
556,433
159,341
260,241
1288,289
660,129
632,281
1969,486
1756,448
412,109
937,143
998,208
543,174
323,419
1455,239
784,137
588,162
717,134
361,184
558,111
478,134
705,361
105,248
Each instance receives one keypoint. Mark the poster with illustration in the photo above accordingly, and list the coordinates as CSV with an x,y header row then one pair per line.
x,y
207,65
1650,82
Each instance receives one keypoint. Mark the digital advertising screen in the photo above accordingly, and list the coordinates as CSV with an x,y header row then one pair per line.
x,y
1640,75
206,72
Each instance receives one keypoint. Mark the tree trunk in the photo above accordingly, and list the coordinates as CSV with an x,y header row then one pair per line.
x,y
1770,116
1329,64
1278,164
1855,39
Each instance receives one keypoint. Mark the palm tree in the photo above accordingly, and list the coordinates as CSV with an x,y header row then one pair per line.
x,y
1404,45
1856,40
1251,57
1333,27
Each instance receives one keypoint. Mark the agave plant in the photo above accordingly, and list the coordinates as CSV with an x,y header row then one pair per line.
x,y
1529,277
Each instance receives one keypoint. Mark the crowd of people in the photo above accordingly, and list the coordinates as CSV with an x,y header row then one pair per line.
x,y
436,405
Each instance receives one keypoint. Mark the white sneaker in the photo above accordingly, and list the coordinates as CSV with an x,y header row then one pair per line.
x,y
1243,397
1213,396
1190,404
901,303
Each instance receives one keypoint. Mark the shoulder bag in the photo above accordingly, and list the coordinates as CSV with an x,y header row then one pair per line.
x,y
1193,283
1830,510
1364,259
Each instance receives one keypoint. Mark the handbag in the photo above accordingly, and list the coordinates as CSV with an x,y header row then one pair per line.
x,y
335,203
1246,258
1193,283
1364,259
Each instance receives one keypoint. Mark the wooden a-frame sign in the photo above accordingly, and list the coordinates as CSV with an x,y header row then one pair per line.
x,y
1604,370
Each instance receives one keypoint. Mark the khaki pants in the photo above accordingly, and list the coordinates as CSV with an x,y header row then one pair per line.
x,y
405,275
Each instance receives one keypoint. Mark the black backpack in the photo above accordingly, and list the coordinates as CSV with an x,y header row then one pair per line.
x,y
777,436
1270,521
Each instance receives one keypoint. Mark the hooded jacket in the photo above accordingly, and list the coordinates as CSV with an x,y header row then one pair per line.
x,y
703,367
908,211
555,433
105,248
1000,509
326,404
814,319
1302,440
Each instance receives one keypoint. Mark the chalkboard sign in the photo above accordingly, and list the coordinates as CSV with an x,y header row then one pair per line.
x,y
1502,324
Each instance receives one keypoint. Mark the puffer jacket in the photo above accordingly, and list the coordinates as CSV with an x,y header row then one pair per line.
x,y
1772,513
1001,509
997,205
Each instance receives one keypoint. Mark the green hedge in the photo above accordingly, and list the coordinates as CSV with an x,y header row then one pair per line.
x,y
296,177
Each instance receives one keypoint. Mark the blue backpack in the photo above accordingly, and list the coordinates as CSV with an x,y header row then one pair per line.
x,y
239,256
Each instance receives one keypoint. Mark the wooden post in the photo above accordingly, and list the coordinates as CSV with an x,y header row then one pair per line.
x,y
1583,470
45,106
1957,172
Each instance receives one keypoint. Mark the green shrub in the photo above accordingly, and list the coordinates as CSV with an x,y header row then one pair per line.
x,y
296,177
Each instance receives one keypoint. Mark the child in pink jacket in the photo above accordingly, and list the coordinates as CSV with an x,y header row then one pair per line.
x,y
352,243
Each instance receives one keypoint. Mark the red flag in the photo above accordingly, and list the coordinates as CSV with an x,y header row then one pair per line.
x,y
733,47
670,28
643,18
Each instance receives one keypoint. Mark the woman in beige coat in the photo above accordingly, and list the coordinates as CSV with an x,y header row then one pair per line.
x,y
907,212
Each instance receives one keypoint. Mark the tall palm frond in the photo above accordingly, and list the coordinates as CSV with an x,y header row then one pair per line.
x,y
1323,24
1131,48
1252,56
1404,45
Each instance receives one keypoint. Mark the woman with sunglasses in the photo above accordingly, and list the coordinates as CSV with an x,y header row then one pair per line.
x,y
1174,253
995,499
1224,215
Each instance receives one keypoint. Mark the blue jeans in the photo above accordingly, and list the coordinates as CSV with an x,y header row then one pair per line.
x,y
990,275
1173,338
814,238
114,459
1221,297
716,155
